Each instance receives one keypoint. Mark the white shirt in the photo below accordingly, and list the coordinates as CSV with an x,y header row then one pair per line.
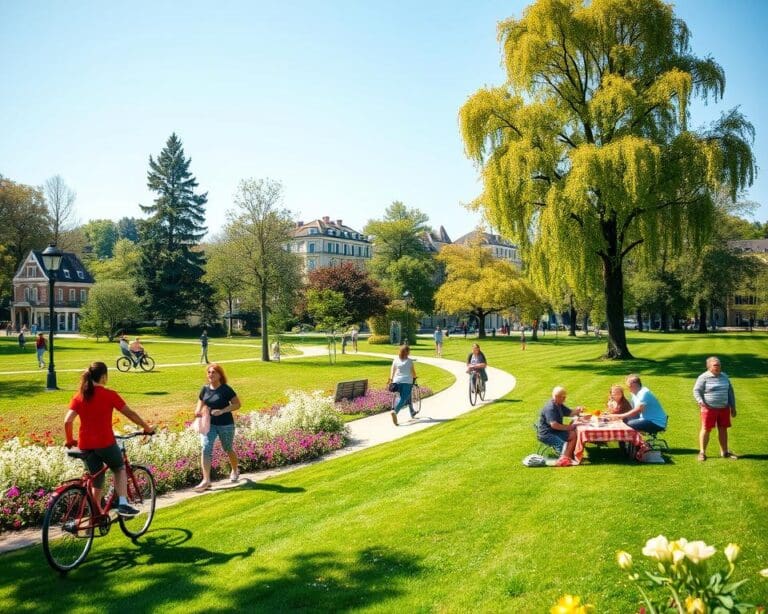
x,y
403,371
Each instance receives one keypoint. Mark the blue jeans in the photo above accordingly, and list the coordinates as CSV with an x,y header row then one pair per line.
x,y
405,397
556,440
226,435
640,424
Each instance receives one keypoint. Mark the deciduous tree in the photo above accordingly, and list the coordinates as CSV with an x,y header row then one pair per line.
x,y
110,304
479,284
362,294
259,228
586,151
60,200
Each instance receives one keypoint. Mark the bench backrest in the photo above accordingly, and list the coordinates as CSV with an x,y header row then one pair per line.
x,y
351,390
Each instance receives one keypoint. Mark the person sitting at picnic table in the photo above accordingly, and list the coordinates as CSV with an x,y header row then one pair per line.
x,y
617,402
552,431
137,350
646,414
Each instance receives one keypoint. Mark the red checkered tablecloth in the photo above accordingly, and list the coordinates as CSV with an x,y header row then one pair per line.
x,y
612,431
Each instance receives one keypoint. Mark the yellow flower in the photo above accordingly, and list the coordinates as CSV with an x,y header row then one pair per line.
x,y
698,551
732,552
677,550
625,560
657,548
570,604
695,606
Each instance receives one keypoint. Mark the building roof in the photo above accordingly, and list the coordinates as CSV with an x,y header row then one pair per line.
x,y
70,269
486,238
327,226
751,245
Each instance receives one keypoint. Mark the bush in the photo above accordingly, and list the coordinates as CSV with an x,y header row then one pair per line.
x,y
378,339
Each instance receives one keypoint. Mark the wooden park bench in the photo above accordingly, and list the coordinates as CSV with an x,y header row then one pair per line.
x,y
351,390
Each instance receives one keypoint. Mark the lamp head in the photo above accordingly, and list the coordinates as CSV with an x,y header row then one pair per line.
x,y
52,258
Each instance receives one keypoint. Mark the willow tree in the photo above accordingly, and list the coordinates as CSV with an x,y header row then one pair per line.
x,y
479,284
585,151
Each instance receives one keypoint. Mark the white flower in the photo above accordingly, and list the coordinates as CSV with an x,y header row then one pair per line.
x,y
625,560
764,572
677,549
657,548
698,551
732,552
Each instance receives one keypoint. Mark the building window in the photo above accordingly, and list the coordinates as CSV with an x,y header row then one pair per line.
x,y
313,231
66,273
60,294
72,294
80,275
31,271
311,248
83,295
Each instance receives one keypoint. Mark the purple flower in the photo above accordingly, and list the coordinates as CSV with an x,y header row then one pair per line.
x,y
13,491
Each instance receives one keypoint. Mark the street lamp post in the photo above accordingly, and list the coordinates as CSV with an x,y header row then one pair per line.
x,y
52,260
407,297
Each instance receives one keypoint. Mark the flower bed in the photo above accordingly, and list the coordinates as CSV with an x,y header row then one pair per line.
x,y
307,427
374,402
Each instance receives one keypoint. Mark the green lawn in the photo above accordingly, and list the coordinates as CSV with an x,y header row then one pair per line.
x,y
448,520
167,395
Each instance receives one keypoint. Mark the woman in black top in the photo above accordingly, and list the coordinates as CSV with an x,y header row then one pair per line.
x,y
220,400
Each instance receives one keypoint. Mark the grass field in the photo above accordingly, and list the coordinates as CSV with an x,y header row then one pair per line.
x,y
448,520
167,395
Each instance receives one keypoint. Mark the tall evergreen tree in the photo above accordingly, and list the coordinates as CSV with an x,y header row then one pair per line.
x,y
170,283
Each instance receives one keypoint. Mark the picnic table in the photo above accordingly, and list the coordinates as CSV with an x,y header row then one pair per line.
x,y
588,432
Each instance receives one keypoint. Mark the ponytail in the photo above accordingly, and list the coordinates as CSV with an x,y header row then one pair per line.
x,y
89,377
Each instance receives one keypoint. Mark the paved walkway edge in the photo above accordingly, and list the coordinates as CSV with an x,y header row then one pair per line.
x,y
364,433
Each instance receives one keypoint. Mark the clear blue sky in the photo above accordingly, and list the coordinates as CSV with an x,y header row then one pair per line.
x,y
350,104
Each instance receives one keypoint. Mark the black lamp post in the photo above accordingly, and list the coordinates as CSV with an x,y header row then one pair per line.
x,y
52,260
407,297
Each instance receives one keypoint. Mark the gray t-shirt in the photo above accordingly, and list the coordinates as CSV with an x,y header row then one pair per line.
x,y
714,390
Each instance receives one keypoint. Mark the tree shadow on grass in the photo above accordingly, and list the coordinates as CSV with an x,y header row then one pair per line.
x,y
740,365
155,393
21,389
166,566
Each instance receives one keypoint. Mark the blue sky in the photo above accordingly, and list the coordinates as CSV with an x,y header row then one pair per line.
x,y
350,104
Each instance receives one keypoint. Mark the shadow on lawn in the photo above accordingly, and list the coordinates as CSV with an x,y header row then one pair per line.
x,y
681,365
22,389
166,566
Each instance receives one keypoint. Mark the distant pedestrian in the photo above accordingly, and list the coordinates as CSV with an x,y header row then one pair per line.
x,y
40,346
353,337
34,329
439,342
22,340
522,337
464,329
276,350
344,341
204,346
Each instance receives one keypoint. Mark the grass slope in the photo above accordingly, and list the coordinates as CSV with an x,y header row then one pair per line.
x,y
448,519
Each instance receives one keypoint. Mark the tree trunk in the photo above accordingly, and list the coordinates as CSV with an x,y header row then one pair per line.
x,y
229,325
702,317
613,276
639,318
480,317
264,332
572,323
664,321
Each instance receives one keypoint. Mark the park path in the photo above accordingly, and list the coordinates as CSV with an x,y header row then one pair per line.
x,y
364,433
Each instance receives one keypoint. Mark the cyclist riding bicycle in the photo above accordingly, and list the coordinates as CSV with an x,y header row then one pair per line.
x,y
93,404
476,362
125,349
137,350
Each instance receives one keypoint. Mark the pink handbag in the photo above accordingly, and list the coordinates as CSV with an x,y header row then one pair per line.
x,y
202,424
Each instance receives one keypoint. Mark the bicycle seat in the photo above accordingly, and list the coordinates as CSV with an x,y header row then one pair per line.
x,y
75,453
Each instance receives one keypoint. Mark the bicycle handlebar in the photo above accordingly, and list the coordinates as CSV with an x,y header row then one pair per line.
x,y
136,434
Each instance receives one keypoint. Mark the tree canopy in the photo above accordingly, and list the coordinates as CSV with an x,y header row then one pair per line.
x,y
362,294
479,284
585,152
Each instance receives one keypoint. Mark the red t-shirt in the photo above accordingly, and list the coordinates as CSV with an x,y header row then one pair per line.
x,y
96,417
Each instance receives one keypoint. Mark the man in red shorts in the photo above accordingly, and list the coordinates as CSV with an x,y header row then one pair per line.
x,y
714,394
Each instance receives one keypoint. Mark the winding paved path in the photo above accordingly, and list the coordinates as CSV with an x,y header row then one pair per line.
x,y
364,433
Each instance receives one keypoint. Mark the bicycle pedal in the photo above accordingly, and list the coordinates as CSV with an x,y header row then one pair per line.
x,y
70,526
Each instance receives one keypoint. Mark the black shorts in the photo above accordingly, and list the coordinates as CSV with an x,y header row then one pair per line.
x,y
96,459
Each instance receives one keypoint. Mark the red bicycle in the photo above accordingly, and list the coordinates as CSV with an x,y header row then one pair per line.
x,y
73,518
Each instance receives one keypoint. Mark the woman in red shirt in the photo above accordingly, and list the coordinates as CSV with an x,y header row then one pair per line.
x,y
93,405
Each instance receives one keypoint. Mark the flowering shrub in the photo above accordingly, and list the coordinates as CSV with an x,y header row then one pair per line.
x,y
568,604
683,579
374,402
307,427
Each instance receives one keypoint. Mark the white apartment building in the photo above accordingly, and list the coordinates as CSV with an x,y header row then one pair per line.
x,y
326,242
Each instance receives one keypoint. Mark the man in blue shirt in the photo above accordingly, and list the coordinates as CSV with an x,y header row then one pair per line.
x,y
646,414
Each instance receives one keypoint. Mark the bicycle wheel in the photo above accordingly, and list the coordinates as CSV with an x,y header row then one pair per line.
x,y
68,529
416,399
142,496
124,364
472,390
147,363
481,388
